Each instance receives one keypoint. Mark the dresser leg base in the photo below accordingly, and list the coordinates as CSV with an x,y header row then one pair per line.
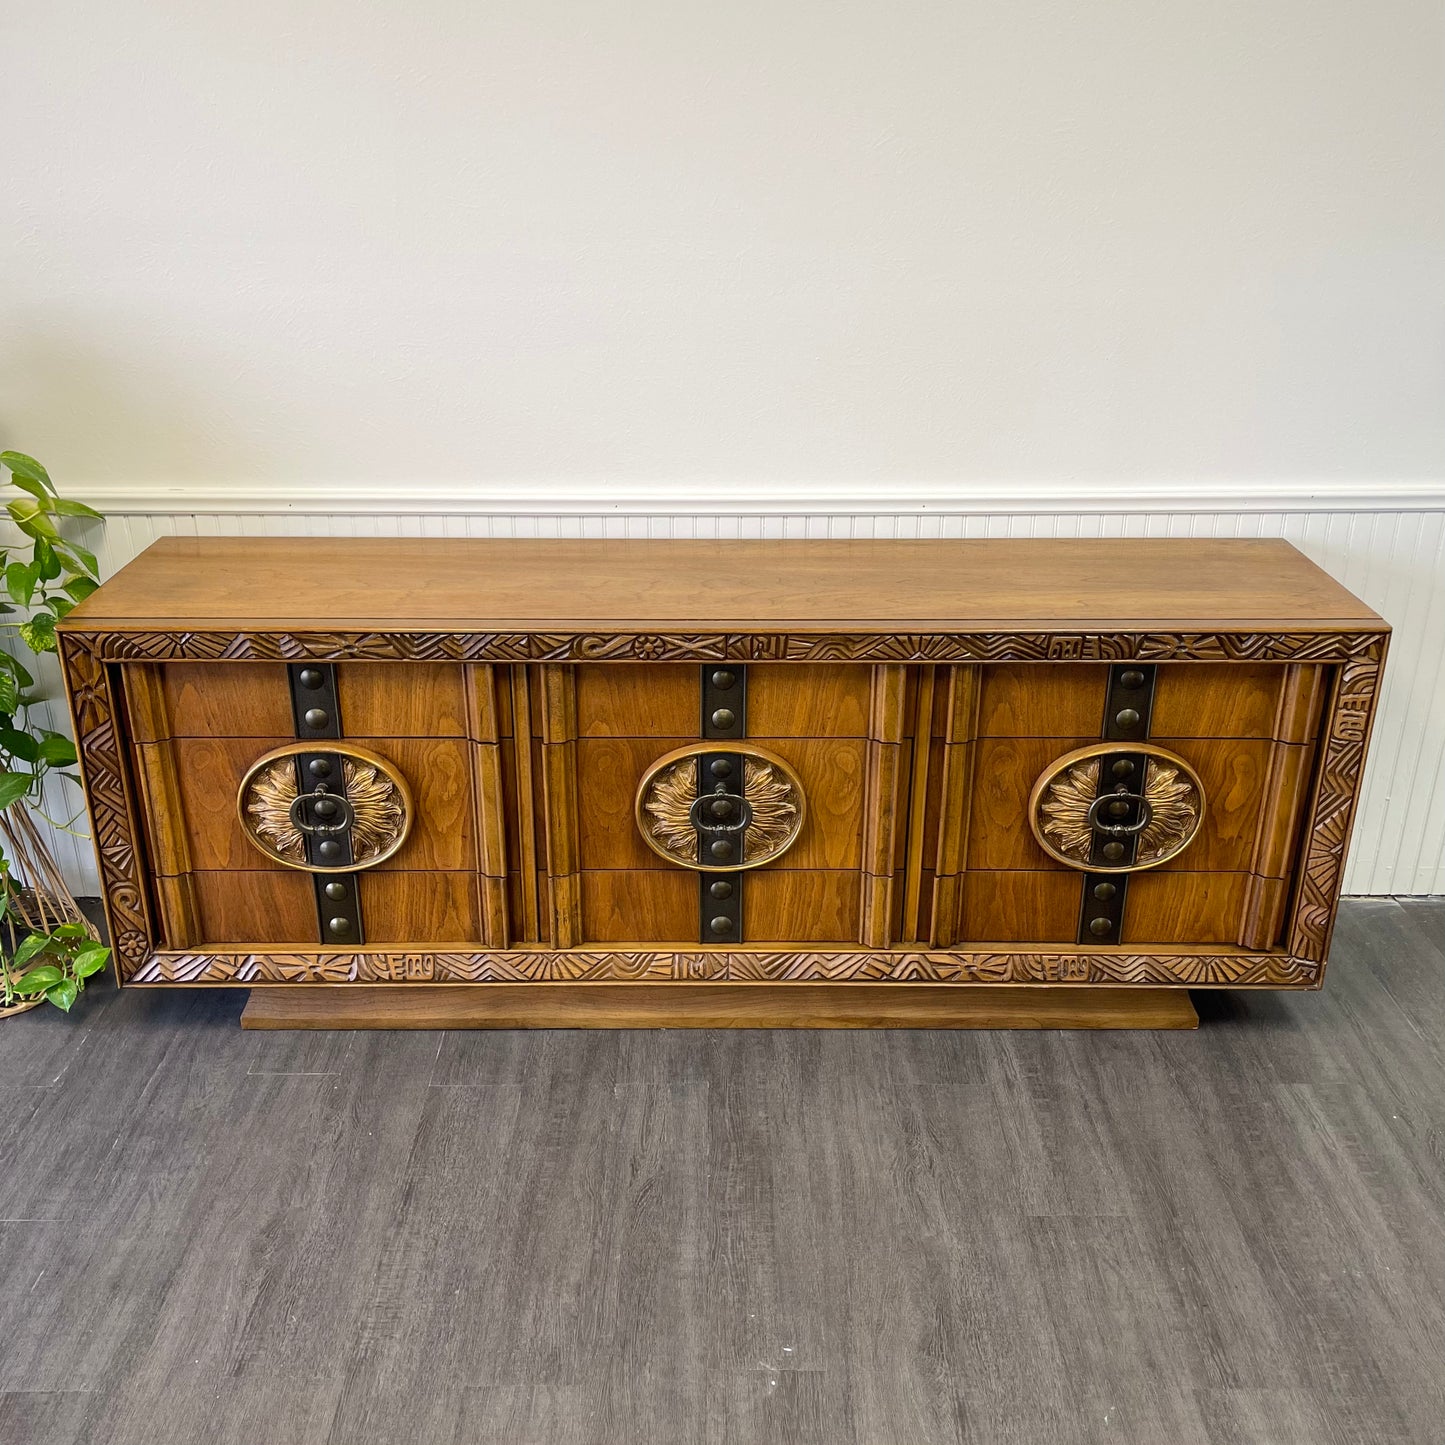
x,y
716,1006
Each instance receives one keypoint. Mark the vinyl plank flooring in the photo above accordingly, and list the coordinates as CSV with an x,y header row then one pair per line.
x,y
1234,1237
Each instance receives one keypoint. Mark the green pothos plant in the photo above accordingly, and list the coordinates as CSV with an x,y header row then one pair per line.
x,y
52,949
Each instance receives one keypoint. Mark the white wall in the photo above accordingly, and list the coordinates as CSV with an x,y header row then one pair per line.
x,y
1011,259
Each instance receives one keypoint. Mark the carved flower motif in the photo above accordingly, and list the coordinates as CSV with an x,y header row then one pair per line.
x,y
770,793
379,813
1172,798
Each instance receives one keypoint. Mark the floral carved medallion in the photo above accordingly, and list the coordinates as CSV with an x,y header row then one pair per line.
x,y
1066,816
370,802
720,806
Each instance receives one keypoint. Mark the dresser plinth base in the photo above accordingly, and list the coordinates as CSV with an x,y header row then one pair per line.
x,y
716,1006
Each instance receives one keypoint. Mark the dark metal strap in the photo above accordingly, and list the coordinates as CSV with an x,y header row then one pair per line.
x,y
721,813
322,811
1120,812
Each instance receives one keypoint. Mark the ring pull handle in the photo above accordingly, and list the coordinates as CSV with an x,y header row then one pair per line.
x,y
330,812
720,812
1120,830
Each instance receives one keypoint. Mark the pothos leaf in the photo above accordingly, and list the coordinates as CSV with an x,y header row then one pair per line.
x,y
13,787
29,946
39,632
62,994
39,979
90,960
22,466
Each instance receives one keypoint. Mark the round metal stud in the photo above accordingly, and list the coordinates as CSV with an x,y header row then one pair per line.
x,y
721,924
721,768
1113,851
310,678
1119,809
721,849
1127,718
317,717
721,889
324,808
336,891
1131,679
724,679
1100,926
1122,768
329,849
338,925
1104,891
319,767
720,808
724,717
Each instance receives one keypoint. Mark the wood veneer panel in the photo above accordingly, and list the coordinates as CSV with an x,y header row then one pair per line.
x,y
236,906
808,700
956,721
419,907
832,771
885,815
625,700
402,699
228,700
1048,699
1019,906
1185,907
521,756
1004,771
1204,700
480,584
639,905
438,770
791,906
557,693
489,803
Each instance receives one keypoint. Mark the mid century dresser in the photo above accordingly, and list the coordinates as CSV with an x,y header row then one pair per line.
x,y
401,782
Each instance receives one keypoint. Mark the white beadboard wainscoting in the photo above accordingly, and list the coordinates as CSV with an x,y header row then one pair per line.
x,y
1386,546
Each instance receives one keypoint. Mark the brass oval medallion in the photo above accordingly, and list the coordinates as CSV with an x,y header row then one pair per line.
x,y
276,812
742,816
1065,815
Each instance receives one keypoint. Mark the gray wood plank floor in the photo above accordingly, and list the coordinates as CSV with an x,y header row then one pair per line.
x,y
900,1238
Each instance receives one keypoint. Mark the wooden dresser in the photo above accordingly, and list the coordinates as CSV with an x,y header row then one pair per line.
x,y
403,782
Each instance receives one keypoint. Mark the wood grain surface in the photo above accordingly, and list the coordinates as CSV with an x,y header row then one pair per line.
x,y
717,1006
463,584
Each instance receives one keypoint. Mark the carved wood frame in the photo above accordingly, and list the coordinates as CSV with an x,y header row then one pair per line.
x,y
86,659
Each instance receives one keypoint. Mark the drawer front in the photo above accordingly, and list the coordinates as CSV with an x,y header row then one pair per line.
x,y
915,784
1246,734
201,735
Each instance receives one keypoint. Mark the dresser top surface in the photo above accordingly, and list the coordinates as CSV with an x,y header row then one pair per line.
x,y
445,584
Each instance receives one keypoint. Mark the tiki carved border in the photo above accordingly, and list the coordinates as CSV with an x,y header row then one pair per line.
x,y
111,799
1348,723
85,655
1184,970
1041,646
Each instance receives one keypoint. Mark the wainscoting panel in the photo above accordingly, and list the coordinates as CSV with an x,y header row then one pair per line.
x,y
1393,556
